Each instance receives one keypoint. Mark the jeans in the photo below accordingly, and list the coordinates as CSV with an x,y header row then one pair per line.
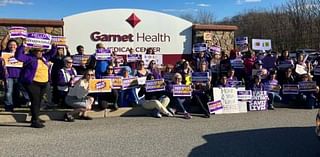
x,y
11,82
180,102
309,99
128,97
272,96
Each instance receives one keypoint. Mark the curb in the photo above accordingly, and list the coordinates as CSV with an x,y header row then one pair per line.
x,y
22,115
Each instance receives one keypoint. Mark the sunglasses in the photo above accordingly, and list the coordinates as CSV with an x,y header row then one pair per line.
x,y
178,78
110,68
90,74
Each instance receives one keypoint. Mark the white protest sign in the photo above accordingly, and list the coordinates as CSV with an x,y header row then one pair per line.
x,y
261,44
18,32
301,69
39,40
103,54
229,99
147,58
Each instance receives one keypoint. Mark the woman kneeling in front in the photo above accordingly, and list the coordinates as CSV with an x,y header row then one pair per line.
x,y
78,98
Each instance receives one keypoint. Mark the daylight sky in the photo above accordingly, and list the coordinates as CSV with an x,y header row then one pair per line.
x,y
57,9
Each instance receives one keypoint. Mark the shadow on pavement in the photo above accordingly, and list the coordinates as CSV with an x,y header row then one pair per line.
x,y
271,142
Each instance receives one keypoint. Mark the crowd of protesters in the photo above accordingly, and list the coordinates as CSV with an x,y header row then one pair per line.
x,y
52,73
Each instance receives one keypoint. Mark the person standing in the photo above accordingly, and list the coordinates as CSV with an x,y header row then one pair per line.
x,y
12,73
35,76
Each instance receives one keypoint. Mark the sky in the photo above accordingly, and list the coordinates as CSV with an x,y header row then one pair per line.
x,y
57,9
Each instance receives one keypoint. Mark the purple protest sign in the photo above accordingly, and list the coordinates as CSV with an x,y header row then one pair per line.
x,y
39,40
103,54
155,85
244,95
215,106
200,77
182,91
290,89
133,57
18,32
128,83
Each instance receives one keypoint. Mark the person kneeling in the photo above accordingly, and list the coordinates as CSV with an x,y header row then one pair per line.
x,y
78,98
156,101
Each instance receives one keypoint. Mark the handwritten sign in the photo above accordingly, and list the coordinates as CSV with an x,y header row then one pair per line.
x,y
116,81
290,89
128,83
10,61
215,106
155,85
103,54
39,40
301,69
182,91
99,85
18,32
59,40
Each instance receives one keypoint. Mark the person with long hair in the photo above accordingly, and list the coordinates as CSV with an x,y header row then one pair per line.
x,y
12,73
78,98
35,76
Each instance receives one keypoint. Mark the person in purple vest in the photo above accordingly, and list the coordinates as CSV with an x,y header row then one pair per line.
x,y
13,73
65,78
35,76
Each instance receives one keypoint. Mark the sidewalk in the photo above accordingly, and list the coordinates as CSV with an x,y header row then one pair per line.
x,y
23,114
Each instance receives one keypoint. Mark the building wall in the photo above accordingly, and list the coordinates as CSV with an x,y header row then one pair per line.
x,y
224,39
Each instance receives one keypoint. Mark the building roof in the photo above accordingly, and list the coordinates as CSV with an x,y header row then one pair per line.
x,y
31,22
214,27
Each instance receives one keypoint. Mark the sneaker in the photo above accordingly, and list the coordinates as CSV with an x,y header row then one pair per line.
x,y
168,114
187,116
172,111
85,118
271,107
156,114
8,108
36,124
68,118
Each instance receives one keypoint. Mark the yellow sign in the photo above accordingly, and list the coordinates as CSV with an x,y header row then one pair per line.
x,y
207,36
59,40
99,85
10,61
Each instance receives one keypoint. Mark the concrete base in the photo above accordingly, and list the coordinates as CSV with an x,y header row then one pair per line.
x,y
22,114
